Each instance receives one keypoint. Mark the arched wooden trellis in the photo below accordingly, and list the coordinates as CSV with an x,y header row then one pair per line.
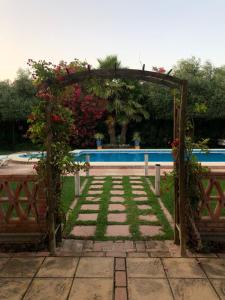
x,y
178,132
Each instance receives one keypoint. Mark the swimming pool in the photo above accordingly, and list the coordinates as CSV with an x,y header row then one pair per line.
x,y
127,156
154,155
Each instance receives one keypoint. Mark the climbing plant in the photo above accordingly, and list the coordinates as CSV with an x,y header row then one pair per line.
x,y
51,125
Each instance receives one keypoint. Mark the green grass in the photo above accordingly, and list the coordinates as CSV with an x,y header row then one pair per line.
x,y
130,208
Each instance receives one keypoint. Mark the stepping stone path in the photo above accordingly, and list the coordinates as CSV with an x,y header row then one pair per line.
x,y
111,209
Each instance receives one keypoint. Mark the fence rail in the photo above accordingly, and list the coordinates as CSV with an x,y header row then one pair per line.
x,y
23,207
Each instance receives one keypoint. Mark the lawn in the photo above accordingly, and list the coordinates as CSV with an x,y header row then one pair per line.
x,y
131,211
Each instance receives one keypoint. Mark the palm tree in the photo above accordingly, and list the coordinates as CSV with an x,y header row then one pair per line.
x,y
109,62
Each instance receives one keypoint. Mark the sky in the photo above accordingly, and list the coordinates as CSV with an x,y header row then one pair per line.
x,y
151,32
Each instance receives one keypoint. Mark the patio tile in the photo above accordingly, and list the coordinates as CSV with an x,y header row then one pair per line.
x,y
117,192
132,181
89,207
95,186
118,230
58,267
97,198
98,182
49,288
92,289
117,177
94,192
99,177
150,230
138,192
117,217
87,217
119,207
84,231
141,198
143,206
90,267
192,289
150,218
71,246
183,268
21,267
117,186
13,288
214,267
149,289
117,199
219,285
145,267
137,186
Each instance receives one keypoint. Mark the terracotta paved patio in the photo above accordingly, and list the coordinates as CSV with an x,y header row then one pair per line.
x,y
123,270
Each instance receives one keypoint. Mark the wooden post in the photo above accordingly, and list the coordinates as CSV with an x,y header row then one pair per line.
x,y
77,183
157,180
88,161
182,169
176,184
146,164
50,181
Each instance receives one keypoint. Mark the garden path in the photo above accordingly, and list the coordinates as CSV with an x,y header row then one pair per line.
x,y
119,208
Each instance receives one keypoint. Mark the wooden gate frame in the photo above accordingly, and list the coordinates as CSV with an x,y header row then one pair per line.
x,y
179,112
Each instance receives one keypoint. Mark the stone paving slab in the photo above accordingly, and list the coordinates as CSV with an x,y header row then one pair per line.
x,y
192,289
139,192
92,289
89,207
145,267
116,199
58,267
149,289
84,231
117,217
13,288
87,217
119,207
183,268
89,268
96,198
118,230
149,218
21,267
214,268
94,192
219,286
117,186
117,192
150,230
49,288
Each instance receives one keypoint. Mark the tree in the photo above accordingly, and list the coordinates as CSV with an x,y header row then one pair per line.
x,y
16,100
123,100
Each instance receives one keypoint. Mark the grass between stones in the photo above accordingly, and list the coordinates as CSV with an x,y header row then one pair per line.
x,y
130,209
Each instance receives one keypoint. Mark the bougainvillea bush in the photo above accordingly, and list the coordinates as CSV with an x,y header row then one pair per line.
x,y
51,127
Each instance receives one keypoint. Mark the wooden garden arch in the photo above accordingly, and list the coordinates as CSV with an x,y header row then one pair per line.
x,y
179,124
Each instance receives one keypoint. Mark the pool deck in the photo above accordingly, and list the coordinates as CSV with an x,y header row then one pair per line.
x,y
104,169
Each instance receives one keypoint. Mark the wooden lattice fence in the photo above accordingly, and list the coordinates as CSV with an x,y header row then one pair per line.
x,y
23,208
211,212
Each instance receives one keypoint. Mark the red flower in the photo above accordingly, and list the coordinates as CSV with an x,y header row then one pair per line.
x,y
32,117
161,70
175,143
56,118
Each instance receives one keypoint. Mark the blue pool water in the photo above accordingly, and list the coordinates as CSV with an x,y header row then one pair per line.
x,y
137,155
